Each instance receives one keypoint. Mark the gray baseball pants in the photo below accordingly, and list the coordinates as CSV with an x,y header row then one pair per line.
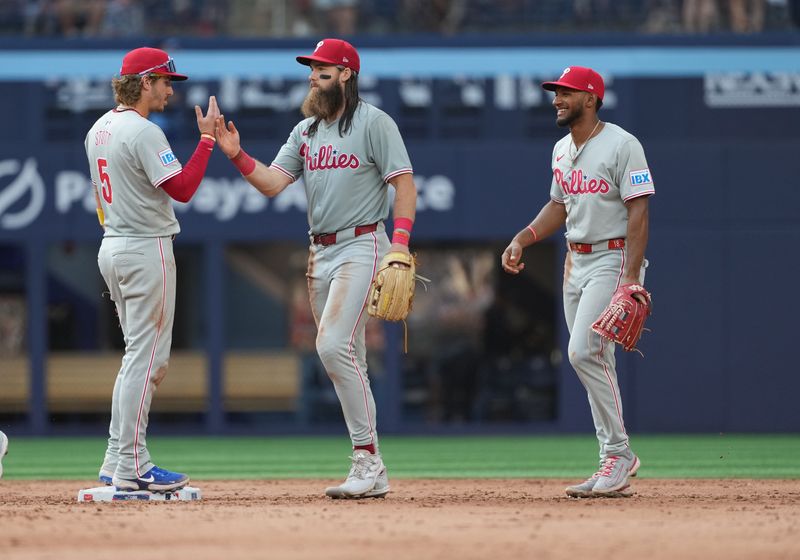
x,y
590,280
339,279
140,275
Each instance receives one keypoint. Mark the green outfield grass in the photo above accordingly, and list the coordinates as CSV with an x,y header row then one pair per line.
x,y
663,456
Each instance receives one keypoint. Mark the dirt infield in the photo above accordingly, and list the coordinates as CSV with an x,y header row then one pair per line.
x,y
421,519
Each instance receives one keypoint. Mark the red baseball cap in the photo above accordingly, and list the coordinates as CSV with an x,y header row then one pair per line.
x,y
579,78
146,60
335,52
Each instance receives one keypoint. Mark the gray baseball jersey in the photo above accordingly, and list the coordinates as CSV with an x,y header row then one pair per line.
x,y
595,181
345,178
129,157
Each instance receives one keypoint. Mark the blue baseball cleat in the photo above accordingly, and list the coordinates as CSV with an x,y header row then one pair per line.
x,y
154,480
106,477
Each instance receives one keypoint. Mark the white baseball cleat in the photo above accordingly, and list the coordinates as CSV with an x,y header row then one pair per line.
x,y
380,489
614,475
609,480
367,478
584,489
3,450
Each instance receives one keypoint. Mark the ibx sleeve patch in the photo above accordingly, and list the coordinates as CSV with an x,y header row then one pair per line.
x,y
167,157
641,177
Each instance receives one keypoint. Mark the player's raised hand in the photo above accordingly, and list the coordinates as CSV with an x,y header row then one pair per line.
x,y
207,122
512,258
227,137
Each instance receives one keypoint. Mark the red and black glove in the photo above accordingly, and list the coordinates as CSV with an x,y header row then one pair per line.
x,y
623,320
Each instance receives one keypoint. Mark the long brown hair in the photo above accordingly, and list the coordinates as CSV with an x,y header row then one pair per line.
x,y
128,88
351,101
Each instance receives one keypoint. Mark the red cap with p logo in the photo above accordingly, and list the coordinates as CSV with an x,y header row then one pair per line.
x,y
335,52
581,79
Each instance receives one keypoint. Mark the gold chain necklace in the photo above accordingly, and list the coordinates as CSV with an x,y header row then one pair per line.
x,y
579,151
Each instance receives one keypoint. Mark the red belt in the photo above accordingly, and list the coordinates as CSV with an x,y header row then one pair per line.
x,y
602,246
330,238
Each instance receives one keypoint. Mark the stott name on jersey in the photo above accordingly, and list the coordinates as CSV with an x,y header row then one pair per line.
x,y
102,137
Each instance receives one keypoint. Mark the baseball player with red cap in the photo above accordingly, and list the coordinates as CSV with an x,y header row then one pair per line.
x,y
347,152
135,176
600,189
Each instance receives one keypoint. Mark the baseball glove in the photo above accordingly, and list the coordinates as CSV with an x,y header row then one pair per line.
x,y
623,320
392,291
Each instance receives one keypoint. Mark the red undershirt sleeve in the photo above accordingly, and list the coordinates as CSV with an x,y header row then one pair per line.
x,y
182,186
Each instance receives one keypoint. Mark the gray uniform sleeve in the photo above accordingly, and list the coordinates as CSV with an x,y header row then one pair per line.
x,y
386,148
556,192
289,160
155,155
634,177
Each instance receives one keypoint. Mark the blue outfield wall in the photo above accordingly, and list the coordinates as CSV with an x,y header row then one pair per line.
x,y
719,126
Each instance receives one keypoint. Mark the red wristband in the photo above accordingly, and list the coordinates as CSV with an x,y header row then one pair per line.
x,y
400,236
404,223
533,231
243,162
402,230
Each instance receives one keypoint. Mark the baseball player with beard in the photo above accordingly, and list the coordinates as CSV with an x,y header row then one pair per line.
x,y
135,176
600,190
347,152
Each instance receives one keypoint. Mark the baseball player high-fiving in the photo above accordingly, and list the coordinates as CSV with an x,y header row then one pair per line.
x,y
347,152
135,175
600,188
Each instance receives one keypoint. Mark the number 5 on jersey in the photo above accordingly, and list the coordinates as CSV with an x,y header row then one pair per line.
x,y
102,163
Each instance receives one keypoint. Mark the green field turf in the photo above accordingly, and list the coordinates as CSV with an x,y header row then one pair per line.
x,y
663,456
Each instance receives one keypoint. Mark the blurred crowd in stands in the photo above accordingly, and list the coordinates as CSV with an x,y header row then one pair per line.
x,y
301,18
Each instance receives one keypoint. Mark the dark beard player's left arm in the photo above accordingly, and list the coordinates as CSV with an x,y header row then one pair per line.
x,y
405,208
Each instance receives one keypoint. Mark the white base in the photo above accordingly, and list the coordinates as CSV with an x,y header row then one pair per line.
x,y
111,494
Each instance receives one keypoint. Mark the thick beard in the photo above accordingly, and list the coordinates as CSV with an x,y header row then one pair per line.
x,y
322,103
